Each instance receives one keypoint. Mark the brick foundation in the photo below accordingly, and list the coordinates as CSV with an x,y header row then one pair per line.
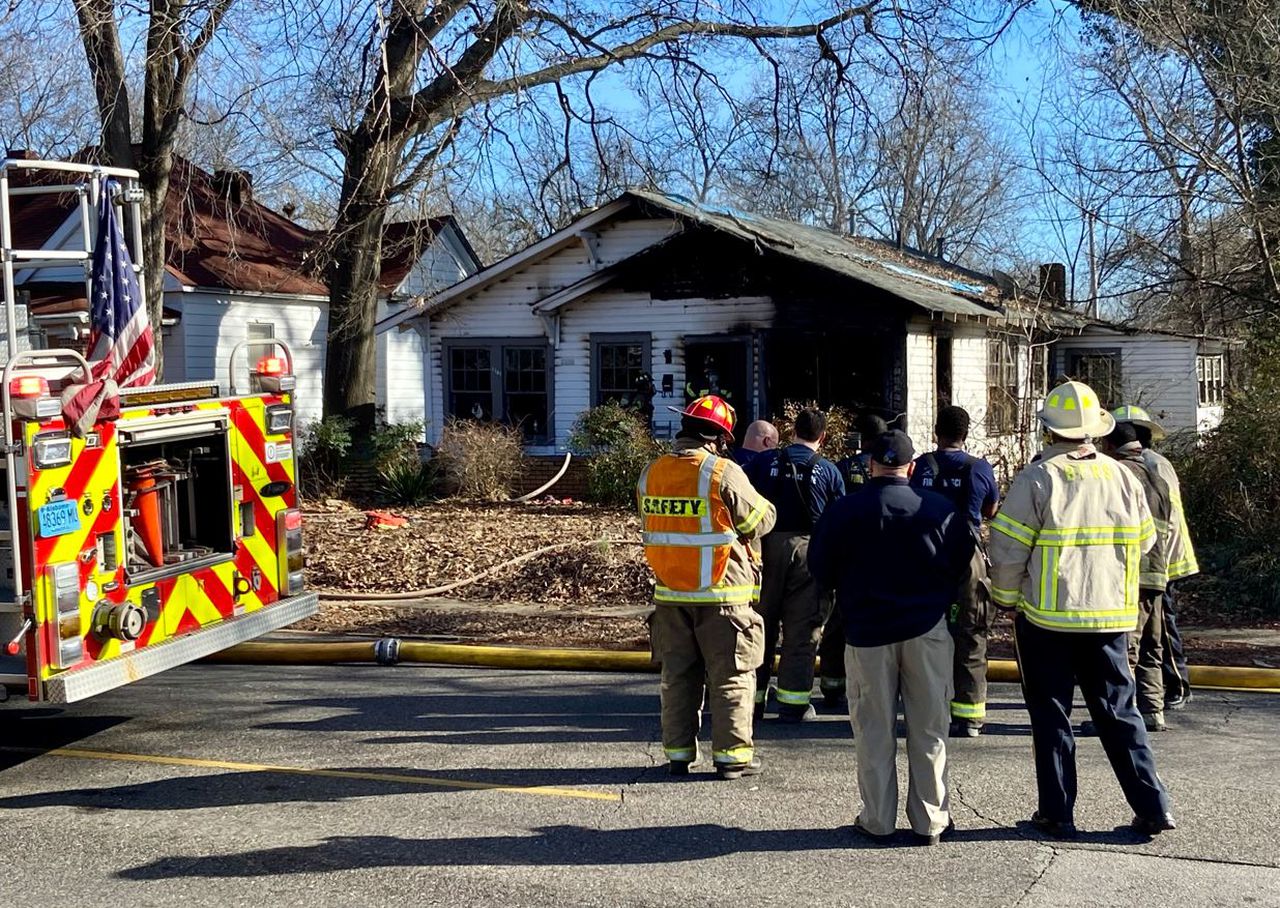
x,y
540,469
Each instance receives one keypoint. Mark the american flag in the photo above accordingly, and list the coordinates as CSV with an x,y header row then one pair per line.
x,y
121,346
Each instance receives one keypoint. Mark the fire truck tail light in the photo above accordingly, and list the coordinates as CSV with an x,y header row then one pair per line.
x,y
289,538
29,386
64,579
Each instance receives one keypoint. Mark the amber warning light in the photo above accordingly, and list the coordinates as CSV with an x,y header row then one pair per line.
x,y
273,375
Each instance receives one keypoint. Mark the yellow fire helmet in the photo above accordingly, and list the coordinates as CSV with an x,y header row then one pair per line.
x,y
1139,417
1072,411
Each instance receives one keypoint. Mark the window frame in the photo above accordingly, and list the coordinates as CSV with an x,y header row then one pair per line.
x,y
1003,416
1211,379
617,339
497,347
1116,397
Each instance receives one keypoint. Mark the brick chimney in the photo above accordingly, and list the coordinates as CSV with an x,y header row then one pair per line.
x,y
236,186
1053,283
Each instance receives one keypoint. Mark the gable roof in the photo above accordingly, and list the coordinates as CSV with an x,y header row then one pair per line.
x,y
219,236
929,285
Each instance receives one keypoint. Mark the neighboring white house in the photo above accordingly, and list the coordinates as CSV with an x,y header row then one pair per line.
x,y
237,271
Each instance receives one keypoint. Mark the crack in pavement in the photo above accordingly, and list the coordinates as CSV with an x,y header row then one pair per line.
x,y
1053,856
1129,852
957,790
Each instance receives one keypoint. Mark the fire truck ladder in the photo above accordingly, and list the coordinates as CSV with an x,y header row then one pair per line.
x,y
61,184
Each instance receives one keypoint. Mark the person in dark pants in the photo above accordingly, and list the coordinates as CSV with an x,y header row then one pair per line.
x,y
1066,550
800,484
970,484
856,472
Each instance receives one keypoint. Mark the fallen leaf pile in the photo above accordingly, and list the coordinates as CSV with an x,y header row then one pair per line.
x,y
446,542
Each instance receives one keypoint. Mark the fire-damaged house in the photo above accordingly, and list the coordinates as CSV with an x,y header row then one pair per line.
x,y
654,288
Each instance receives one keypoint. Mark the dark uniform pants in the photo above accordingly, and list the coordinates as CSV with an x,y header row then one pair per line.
x,y
831,656
1051,663
789,599
701,647
1177,679
970,625
1146,653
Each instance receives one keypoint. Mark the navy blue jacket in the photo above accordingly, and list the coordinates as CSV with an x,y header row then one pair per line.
x,y
825,486
895,556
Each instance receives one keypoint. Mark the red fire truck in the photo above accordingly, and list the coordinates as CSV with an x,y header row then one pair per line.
x,y
150,540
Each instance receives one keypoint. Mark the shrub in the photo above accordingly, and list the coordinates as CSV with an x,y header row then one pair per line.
x,y
323,456
409,482
1231,489
619,446
839,427
394,444
480,460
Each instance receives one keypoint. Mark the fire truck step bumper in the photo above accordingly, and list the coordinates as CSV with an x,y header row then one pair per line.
x,y
78,684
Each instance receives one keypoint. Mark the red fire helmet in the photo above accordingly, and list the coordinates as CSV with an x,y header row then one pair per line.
x,y
711,409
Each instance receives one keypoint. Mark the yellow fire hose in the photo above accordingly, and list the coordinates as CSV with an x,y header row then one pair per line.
x,y
389,651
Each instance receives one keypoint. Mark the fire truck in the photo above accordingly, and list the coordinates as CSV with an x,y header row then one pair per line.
x,y
152,539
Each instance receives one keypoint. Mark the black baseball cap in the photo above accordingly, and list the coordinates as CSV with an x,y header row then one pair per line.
x,y
893,449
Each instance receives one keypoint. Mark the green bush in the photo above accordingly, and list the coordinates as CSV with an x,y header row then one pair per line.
x,y
839,427
480,460
618,446
394,444
323,456
409,482
1231,490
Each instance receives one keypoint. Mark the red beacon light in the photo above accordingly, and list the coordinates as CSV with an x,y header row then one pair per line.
x,y
29,395
273,374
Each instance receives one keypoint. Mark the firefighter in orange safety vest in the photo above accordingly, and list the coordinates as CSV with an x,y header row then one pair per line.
x,y
702,521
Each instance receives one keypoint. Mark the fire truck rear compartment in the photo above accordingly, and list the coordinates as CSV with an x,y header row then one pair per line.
x,y
177,497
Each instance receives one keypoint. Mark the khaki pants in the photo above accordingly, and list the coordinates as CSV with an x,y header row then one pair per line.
x,y
970,626
1146,652
789,599
701,646
919,669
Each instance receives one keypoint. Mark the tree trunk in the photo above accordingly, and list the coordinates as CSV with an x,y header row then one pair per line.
x,y
354,269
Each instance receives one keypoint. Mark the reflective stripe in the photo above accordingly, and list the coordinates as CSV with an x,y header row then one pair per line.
x,y
719,594
706,559
682,754
688,539
761,696
1005,597
1113,620
754,518
968,710
1184,568
1019,532
734,755
794,697
1049,579
1132,576
1068,536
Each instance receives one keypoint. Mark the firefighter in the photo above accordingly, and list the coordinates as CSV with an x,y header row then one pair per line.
x,y
970,484
761,436
1181,554
856,471
701,519
1146,645
801,484
1065,552
708,384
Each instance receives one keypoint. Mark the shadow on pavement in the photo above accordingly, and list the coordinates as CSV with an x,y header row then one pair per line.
x,y
29,733
548,846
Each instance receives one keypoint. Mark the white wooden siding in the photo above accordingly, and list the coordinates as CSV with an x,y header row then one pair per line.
x,y
400,377
438,267
212,325
1158,372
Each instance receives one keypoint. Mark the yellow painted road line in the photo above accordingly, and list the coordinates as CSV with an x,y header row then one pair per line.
x,y
395,778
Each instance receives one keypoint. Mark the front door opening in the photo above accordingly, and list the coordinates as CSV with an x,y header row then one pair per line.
x,y
722,367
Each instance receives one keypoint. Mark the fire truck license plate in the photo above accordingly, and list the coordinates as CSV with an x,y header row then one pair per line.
x,y
58,518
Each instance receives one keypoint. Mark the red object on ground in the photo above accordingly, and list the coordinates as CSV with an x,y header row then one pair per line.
x,y
381,520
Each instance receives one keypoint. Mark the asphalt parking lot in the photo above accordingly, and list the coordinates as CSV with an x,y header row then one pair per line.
x,y
219,785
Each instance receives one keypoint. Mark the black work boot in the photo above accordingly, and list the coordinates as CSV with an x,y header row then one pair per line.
x,y
678,767
1058,829
965,728
730,771
789,713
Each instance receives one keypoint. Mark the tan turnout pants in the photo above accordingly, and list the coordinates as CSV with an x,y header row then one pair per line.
x,y
1146,652
701,647
919,669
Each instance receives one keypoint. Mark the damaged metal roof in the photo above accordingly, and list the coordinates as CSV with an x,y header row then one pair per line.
x,y
928,285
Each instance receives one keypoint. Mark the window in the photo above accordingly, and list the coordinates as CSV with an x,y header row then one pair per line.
x,y
942,371
1002,385
619,365
261,331
1100,370
1211,379
508,381
1039,370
